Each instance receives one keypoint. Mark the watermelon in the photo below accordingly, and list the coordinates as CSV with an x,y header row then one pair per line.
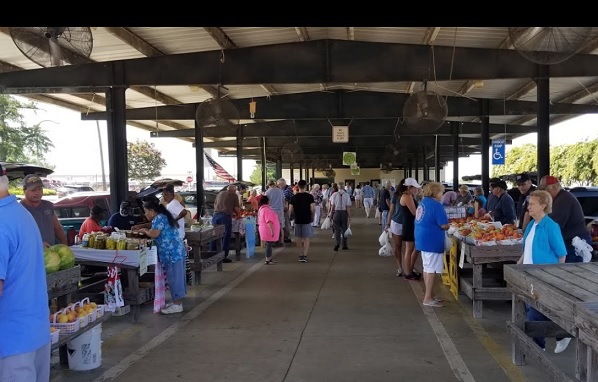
x,y
51,260
67,257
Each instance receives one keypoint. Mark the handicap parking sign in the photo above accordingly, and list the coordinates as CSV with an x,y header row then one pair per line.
x,y
498,151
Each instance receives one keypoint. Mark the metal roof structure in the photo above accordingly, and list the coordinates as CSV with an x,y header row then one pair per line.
x,y
305,80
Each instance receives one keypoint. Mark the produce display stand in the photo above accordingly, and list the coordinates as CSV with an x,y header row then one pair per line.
x,y
61,285
202,259
135,293
485,283
568,295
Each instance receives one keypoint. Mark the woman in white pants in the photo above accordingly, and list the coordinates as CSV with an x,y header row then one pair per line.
x,y
317,194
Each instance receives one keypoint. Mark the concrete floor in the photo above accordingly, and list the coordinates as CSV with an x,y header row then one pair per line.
x,y
343,316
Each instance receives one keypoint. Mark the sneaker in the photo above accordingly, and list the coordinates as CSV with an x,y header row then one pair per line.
x,y
303,259
227,260
345,247
174,308
336,247
399,272
561,345
268,262
411,277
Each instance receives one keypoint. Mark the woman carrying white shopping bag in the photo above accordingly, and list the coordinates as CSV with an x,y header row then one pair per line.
x,y
340,210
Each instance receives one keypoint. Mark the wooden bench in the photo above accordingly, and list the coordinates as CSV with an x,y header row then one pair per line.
x,y
568,295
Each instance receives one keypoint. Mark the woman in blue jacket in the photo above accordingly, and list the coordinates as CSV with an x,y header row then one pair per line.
x,y
542,244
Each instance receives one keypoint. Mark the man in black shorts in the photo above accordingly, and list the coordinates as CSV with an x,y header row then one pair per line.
x,y
302,204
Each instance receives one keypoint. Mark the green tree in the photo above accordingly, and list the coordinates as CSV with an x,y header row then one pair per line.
x,y
19,142
518,159
145,161
256,175
578,166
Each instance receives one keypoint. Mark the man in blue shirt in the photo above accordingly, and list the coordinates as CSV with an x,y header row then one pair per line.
x,y
123,219
368,198
24,325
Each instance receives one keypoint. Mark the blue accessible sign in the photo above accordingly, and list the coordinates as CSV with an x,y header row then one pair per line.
x,y
498,151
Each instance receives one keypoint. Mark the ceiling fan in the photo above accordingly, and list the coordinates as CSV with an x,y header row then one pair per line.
x,y
53,46
425,111
548,45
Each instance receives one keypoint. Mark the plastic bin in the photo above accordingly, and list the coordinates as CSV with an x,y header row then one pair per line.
x,y
85,351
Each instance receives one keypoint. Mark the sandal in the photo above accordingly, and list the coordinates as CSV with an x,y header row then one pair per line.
x,y
438,299
433,304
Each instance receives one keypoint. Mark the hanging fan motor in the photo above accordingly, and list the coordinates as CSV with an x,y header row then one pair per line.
x,y
53,46
386,167
425,111
216,112
548,45
291,153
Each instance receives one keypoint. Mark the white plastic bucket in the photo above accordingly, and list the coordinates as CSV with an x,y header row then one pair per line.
x,y
85,351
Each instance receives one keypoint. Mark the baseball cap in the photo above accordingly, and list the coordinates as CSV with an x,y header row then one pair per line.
x,y
32,181
464,187
97,210
522,178
125,204
412,182
551,180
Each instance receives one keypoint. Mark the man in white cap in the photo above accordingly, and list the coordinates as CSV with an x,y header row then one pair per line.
x,y
42,211
24,325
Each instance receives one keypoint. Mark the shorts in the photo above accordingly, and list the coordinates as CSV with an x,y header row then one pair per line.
x,y
303,230
32,366
368,202
396,228
433,262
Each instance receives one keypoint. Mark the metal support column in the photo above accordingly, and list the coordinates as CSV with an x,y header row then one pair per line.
x,y
279,167
117,146
455,135
292,172
199,175
425,175
543,94
436,160
300,171
240,152
485,117
416,168
264,165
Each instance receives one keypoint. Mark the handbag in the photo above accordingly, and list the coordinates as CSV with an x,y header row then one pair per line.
x,y
377,213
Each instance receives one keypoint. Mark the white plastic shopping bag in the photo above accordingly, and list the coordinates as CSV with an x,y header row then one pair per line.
x,y
383,239
377,213
326,223
348,231
386,250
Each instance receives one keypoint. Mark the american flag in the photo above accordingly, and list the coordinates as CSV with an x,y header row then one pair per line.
x,y
219,170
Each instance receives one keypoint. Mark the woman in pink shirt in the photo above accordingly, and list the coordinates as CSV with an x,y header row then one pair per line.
x,y
269,226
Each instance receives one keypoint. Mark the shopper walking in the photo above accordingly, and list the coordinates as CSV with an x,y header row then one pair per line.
x,y
340,211
269,226
302,204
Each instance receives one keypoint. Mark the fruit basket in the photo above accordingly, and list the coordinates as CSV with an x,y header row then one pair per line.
x,y
55,335
100,310
66,328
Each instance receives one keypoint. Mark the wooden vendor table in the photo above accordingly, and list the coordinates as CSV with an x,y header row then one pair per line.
x,y
204,259
568,295
134,266
480,257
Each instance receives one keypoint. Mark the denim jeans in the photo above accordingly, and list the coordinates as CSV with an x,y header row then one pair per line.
x,y
227,221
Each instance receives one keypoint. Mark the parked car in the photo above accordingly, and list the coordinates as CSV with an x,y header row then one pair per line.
x,y
72,210
588,198
190,198
72,188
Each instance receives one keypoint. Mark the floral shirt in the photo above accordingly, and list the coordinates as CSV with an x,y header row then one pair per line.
x,y
170,245
318,196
